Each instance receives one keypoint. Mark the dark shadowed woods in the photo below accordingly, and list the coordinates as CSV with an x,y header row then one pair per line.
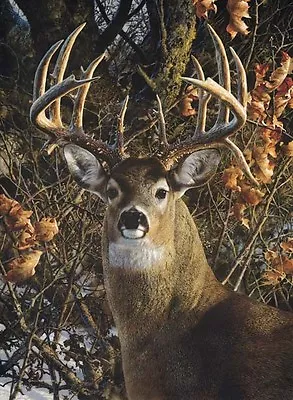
x,y
56,330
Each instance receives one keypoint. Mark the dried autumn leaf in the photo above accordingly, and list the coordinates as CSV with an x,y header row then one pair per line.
x,y
6,204
279,262
186,108
251,195
287,265
27,239
23,267
271,138
277,77
203,6
283,96
260,71
237,9
258,103
248,156
288,245
238,212
285,86
273,277
287,149
231,176
265,169
18,219
46,229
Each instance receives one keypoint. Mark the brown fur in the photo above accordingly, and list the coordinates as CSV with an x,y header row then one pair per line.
x,y
183,335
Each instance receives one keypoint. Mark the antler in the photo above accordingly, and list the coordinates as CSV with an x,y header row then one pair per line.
x,y
51,100
218,135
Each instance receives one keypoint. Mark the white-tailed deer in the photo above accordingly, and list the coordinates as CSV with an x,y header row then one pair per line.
x,y
183,335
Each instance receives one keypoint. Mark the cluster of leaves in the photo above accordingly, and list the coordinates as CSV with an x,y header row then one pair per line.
x,y
28,238
268,148
267,102
237,9
279,263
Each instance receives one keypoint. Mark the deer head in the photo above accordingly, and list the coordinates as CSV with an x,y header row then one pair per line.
x,y
139,204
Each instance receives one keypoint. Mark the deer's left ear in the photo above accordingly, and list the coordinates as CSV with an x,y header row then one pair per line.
x,y
194,170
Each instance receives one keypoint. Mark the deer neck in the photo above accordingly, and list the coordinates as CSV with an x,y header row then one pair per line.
x,y
175,280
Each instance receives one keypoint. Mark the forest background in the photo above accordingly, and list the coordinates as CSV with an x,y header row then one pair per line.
x,y
56,329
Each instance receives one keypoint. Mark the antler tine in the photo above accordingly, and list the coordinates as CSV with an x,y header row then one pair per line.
x,y
119,145
242,97
224,74
162,127
223,128
204,99
241,160
51,99
76,122
242,81
220,131
217,136
39,86
40,105
59,70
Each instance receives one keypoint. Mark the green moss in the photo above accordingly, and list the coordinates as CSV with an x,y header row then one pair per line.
x,y
168,80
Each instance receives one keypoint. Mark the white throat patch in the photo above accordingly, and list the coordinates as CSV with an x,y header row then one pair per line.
x,y
135,254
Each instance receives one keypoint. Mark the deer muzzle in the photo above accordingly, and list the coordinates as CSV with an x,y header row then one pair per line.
x,y
133,224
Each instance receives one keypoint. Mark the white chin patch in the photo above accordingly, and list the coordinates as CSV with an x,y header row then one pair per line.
x,y
133,233
135,254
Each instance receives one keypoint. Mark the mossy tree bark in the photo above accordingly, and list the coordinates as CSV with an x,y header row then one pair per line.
x,y
173,31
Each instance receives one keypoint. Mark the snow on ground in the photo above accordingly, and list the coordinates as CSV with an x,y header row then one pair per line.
x,y
34,394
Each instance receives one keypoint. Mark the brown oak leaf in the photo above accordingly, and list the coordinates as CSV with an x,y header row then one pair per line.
x,y
273,277
237,9
186,108
231,176
283,96
288,245
27,239
23,267
7,204
271,138
238,212
250,195
260,71
265,166
258,103
46,229
279,262
15,217
203,6
18,220
277,77
287,149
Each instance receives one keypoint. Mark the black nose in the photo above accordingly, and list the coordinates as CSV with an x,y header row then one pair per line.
x,y
132,219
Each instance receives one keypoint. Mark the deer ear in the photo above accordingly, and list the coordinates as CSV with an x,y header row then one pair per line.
x,y
194,170
86,170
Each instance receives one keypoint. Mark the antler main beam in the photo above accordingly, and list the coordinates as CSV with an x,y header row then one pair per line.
x,y
45,111
218,135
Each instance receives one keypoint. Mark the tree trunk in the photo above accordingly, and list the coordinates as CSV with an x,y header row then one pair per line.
x,y
176,21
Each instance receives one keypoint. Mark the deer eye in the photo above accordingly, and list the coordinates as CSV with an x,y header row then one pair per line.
x,y
161,194
112,193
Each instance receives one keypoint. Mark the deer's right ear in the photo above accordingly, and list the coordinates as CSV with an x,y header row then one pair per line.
x,y
86,170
